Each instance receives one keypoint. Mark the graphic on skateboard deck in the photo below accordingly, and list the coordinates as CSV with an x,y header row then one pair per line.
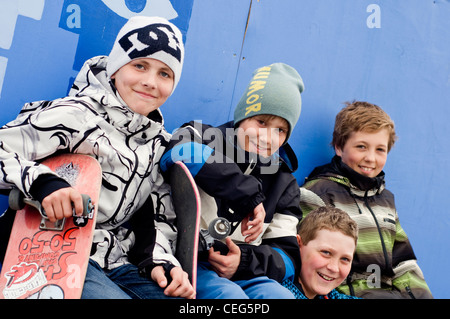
x,y
49,260
191,238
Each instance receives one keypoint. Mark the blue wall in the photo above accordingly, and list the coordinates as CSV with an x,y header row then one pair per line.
x,y
392,53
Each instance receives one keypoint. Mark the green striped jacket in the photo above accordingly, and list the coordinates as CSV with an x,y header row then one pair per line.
x,y
384,264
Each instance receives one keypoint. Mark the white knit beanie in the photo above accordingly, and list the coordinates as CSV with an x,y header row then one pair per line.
x,y
148,37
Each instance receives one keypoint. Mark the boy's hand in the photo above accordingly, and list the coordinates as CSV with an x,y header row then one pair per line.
x,y
180,285
225,266
253,225
61,202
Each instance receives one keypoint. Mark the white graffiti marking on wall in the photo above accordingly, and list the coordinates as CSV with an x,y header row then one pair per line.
x,y
162,8
9,12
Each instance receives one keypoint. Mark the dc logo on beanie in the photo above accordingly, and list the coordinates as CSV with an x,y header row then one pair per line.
x,y
149,40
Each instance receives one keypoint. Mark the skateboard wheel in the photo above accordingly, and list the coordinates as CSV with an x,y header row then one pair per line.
x,y
219,228
15,199
88,207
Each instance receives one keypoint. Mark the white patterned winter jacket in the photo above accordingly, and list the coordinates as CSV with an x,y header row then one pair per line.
x,y
93,120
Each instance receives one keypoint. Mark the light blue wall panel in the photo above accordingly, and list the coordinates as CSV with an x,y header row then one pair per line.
x,y
403,65
213,47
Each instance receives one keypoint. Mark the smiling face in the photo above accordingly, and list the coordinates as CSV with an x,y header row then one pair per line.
x,y
366,153
262,134
326,261
144,84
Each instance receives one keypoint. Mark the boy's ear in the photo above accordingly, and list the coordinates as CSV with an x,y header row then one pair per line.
x,y
338,151
299,240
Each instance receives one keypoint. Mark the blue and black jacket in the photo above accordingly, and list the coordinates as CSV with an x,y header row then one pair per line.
x,y
239,181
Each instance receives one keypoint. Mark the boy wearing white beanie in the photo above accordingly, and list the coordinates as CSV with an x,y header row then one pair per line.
x,y
112,113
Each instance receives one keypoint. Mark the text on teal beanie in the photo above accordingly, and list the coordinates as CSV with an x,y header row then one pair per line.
x,y
274,90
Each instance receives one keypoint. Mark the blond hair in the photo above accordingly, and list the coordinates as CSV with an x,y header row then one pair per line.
x,y
329,218
361,117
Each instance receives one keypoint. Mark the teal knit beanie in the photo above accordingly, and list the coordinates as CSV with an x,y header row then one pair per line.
x,y
274,90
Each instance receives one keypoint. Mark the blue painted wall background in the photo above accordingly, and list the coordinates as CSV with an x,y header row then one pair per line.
x,y
395,54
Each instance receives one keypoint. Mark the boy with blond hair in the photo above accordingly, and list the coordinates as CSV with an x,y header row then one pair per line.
x,y
327,239
385,265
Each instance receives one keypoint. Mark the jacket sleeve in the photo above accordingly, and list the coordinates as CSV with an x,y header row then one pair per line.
x,y
269,260
153,228
408,278
202,148
310,200
39,131
278,256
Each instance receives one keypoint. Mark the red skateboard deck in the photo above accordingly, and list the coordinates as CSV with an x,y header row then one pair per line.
x,y
45,263
186,201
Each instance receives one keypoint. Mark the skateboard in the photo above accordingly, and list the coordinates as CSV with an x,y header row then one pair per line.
x,y
46,260
191,238
187,206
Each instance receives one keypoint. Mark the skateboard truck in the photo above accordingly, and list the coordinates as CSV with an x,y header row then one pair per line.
x,y
218,229
17,201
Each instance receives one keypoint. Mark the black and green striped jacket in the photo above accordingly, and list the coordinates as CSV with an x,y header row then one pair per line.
x,y
384,265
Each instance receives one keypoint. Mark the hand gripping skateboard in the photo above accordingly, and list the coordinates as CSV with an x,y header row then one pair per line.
x,y
49,260
187,204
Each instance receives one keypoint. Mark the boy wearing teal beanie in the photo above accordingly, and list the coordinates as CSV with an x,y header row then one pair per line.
x,y
244,171
273,90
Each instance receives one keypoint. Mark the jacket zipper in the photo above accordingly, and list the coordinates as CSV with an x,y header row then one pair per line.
x,y
250,167
349,284
366,202
410,293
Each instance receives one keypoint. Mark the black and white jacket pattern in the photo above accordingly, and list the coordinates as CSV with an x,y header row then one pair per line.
x,y
94,120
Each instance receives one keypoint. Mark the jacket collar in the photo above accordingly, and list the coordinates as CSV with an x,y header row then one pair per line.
x,y
284,157
348,176
92,82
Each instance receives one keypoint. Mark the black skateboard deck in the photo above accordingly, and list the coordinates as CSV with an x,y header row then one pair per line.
x,y
186,201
